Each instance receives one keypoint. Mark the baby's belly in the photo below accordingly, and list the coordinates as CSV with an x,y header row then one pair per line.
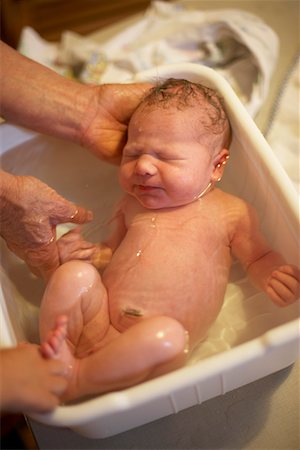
x,y
183,284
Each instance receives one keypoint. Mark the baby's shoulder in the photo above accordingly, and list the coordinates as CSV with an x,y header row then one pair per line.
x,y
234,206
224,198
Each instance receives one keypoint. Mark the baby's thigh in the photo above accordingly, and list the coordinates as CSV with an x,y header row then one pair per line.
x,y
75,290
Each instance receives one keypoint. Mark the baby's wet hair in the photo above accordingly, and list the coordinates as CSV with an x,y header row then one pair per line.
x,y
183,94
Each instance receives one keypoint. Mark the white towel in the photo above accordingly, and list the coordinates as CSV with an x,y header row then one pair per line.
x,y
236,43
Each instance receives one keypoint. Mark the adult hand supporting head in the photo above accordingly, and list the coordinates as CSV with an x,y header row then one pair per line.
x,y
30,211
104,130
95,117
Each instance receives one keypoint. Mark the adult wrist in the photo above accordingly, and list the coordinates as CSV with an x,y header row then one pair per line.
x,y
7,182
8,185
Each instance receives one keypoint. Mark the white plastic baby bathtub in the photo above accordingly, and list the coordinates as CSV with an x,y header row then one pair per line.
x,y
250,339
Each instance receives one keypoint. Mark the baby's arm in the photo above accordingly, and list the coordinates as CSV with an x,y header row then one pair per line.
x,y
266,268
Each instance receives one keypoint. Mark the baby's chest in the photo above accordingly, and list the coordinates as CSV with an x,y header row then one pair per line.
x,y
165,248
187,232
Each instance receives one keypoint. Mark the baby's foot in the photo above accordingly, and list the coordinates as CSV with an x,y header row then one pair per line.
x,y
56,338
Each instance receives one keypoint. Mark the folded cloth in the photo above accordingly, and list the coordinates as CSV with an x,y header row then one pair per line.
x,y
236,43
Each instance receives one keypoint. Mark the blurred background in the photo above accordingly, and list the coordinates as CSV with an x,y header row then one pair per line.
x,y
51,17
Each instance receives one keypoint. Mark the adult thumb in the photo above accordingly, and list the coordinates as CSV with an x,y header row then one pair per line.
x,y
70,212
81,215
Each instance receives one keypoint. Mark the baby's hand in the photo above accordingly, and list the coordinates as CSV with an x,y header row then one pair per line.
x,y
72,246
101,256
284,285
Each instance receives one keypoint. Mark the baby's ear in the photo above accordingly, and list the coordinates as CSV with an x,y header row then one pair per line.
x,y
219,165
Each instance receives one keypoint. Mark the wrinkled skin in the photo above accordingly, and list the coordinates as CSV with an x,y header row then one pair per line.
x,y
105,129
29,215
37,98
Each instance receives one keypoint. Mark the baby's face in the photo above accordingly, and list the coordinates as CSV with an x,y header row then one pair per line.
x,y
164,163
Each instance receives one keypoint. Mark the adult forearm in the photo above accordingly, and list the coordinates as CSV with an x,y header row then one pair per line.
x,y
7,182
36,97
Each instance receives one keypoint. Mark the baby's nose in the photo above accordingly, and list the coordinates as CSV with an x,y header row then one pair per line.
x,y
145,165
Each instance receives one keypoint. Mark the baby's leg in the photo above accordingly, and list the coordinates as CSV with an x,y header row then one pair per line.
x,y
149,348
76,299
101,358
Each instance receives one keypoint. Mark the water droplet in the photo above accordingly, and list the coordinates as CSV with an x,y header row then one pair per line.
x,y
153,222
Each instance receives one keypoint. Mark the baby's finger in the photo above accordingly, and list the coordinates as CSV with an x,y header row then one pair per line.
x,y
84,254
69,246
291,270
279,293
78,254
275,297
288,276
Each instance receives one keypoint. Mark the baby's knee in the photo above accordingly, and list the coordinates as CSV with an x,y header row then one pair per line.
x,y
169,346
75,276
171,339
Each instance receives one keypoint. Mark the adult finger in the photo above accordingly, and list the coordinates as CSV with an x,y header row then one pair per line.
x,y
44,402
70,212
43,260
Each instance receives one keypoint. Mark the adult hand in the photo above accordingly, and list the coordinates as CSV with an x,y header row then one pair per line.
x,y
30,211
105,127
96,117
29,382
73,246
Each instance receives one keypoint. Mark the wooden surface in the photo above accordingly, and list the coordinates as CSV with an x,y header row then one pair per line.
x,y
50,17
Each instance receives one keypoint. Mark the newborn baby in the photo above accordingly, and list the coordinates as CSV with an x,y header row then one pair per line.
x,y
174,238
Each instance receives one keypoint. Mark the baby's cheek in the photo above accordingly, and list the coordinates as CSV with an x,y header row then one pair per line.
x,y
124,178
185,191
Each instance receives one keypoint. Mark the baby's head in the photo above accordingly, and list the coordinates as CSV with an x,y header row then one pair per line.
x,y
202,103
177,146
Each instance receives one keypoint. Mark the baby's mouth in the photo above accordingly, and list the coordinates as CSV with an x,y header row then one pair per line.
x,y
144,188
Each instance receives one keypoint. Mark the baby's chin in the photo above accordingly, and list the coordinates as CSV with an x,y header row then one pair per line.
x,y
149,202
153,203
